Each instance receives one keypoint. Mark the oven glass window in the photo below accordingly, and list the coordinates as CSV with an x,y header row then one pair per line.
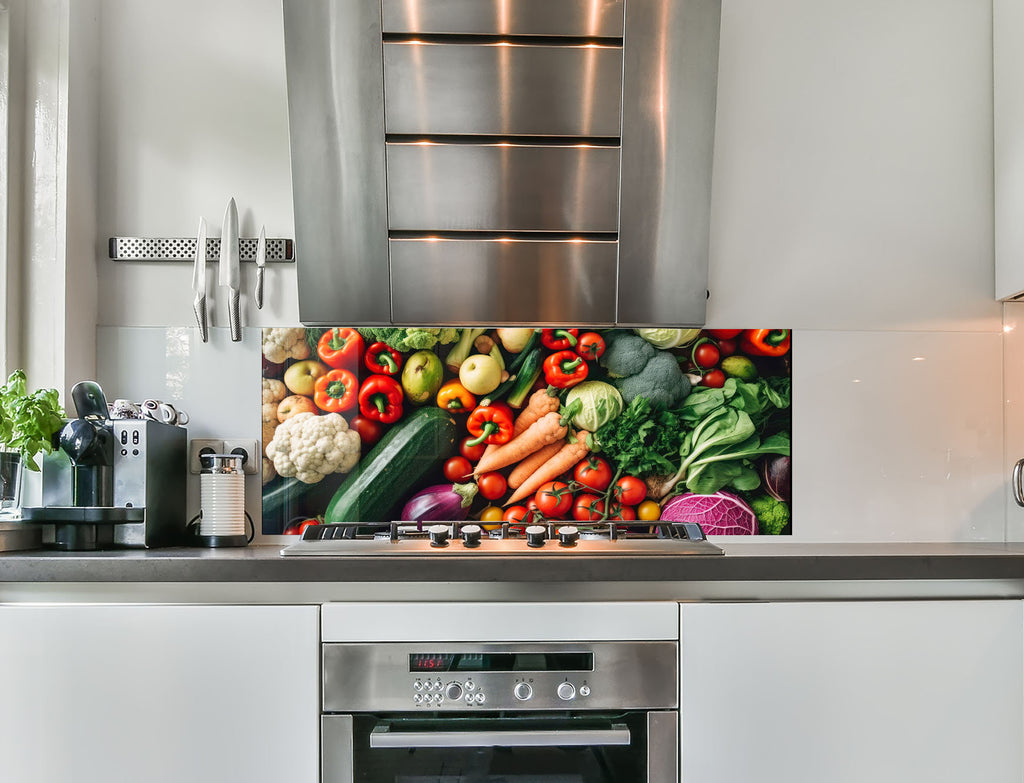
x,y
615,753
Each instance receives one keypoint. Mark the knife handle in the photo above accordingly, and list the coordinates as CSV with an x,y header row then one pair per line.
x,y
234,317
258,294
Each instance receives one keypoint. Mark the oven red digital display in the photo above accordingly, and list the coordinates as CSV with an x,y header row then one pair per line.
x,y
430,662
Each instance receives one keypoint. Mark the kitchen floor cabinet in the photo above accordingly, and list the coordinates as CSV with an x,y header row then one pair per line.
x,y
159,694
849,692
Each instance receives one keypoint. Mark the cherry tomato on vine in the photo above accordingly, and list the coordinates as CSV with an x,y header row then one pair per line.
x,y
648,510
517,515
491,485
713,380
472,453
594,473
630,490
370,431
554,500
622,513
706,355
457,469
588,507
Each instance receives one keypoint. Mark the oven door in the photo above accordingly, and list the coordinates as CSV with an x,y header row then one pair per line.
x,y
633,747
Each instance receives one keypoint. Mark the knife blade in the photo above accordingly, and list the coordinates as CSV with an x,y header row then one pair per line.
x,y
199,281
261,262
229,275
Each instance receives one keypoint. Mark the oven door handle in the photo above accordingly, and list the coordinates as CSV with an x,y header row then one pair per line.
x,y
382,737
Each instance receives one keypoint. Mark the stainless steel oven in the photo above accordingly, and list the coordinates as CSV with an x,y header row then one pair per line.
x,y
517,712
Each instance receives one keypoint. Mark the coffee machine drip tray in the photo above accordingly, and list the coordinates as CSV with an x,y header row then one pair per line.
x,y
83,527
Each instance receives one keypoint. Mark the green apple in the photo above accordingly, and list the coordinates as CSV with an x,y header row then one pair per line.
x,y
422,376
480,374
301,377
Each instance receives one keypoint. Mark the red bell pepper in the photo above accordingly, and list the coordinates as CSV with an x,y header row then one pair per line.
x,y
559,339
491,424
382,358
340,347
564,369
336,391
590,346
765,342
381,398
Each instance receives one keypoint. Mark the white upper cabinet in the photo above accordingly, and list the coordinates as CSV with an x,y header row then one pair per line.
x,y
1008,131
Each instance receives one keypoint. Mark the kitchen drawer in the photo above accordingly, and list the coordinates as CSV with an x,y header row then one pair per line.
x,y
502,89
502,187
458,280
504,17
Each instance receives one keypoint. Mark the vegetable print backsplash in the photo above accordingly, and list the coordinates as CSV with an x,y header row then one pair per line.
x,y
379,424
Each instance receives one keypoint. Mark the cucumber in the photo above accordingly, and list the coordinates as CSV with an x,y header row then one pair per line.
x,y
409,452
528,374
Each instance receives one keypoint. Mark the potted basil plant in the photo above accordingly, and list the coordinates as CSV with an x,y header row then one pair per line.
x,y
28,422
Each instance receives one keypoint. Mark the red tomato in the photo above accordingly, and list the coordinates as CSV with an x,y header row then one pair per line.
x,y
727,347
622,513
713,380
554,499
517,515
472,453
724,334
630,490
369,430
590,345
457,469
491,485
706,355
594,473
296,528
588,508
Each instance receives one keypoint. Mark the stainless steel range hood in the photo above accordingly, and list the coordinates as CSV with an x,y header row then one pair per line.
x,y
502,161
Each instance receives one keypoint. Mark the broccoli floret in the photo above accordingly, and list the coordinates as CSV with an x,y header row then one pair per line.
x,y
626,354
409,339
772,515
660,380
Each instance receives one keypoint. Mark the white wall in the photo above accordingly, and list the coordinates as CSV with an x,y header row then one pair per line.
x,y
852,201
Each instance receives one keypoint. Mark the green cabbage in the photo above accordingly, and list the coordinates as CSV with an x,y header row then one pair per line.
x,y
668,338
599,403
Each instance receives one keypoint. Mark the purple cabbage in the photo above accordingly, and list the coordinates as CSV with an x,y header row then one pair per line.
x,y
720,514
439,503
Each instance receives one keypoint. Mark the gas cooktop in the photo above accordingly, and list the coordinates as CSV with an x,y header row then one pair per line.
x,y
467,539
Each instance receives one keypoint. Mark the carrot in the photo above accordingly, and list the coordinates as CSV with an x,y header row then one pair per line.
x,y
540,402
547,429
565,459
521,471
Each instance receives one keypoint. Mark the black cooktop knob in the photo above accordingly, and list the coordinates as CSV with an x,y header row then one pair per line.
x,y
438,535
535,535
471,535
568,535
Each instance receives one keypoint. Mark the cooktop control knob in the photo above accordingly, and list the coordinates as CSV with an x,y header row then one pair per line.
x,y
522,691
471,535
535,535
453,691
568,535
438,535
566,691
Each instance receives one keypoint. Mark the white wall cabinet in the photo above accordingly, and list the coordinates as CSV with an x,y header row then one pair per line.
x,y
852,692
159,694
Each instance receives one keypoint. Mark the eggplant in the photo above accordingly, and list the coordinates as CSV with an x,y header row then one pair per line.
x,y
776,473
440,503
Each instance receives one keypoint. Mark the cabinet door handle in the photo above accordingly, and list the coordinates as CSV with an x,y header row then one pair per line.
x,y
1018,488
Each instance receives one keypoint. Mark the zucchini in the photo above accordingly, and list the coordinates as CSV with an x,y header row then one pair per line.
x,y
528,374
409,452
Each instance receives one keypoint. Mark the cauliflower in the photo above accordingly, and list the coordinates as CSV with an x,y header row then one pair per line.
x,y
281,344
270,422
310,447
273,391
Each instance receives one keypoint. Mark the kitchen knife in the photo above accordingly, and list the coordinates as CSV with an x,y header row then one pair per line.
x,y
261,261
229,275
199,281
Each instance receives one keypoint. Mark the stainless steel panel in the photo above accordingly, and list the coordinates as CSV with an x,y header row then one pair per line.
x,y
669,92
502,89
662,747
503,282
375,677
502,187
383,737
596,18
336,749
336,122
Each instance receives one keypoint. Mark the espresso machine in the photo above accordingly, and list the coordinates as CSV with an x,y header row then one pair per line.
x,y
112,483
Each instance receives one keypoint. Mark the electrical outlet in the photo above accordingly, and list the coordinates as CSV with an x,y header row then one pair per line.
x,y
250,451
199,446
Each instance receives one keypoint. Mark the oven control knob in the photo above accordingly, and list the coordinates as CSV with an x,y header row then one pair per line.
x,y
522,691
568,535
584,690
438,535
471,535
535,535
566,691
453,691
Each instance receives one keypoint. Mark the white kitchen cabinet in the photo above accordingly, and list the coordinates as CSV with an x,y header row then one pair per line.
x,y
159,694
852,692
